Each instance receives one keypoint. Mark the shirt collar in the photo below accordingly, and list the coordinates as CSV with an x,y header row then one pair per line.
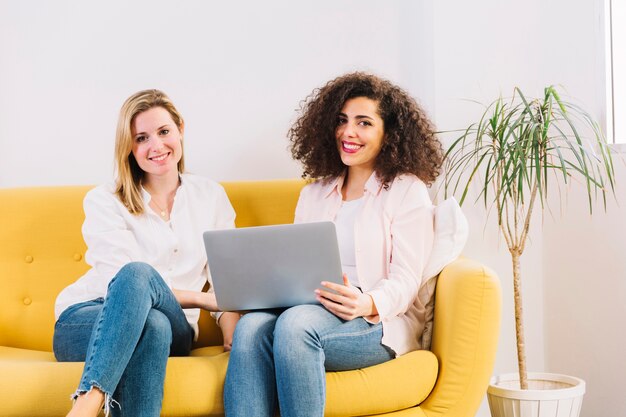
x,y
146,197
334,185
373,185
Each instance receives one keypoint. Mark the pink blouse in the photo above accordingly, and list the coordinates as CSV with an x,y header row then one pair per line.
x,y
393,236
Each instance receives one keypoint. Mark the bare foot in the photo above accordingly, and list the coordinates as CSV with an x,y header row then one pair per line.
x,y
88,404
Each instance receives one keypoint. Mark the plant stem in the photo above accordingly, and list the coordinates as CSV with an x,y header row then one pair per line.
x,y
529,212
519,321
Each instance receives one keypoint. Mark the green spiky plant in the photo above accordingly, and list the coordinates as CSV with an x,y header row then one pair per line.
x,y
517,152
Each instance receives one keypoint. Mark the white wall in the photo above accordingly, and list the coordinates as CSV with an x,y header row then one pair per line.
x,y
585,289
238,70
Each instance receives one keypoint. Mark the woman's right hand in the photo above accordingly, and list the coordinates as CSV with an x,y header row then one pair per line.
x,y
345,301
227,322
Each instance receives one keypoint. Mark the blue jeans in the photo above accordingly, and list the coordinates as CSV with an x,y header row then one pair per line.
x,y
280,358
125,340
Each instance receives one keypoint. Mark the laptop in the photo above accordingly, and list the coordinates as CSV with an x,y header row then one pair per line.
x,y
271,266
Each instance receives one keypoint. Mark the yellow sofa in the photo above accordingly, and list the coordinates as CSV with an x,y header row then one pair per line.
x,y
42,251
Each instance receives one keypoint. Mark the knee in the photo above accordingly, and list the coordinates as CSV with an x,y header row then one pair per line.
x,y
297,322
137,269
254,330
297,330
157,332
134,274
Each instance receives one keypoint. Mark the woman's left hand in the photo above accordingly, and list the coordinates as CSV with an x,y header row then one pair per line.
x,y
345,302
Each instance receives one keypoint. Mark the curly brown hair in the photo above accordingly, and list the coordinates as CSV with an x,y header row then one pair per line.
x,y
410,145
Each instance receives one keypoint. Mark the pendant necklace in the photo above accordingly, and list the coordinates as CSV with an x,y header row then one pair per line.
x,y
163,213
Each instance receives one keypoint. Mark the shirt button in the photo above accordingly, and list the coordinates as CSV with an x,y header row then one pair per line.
x,y
175,250
27,301
28,259
78,257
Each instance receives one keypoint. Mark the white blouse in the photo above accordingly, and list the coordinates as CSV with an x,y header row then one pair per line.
x,y
344,224
175,248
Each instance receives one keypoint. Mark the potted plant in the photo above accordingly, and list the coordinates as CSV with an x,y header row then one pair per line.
x,y
519,151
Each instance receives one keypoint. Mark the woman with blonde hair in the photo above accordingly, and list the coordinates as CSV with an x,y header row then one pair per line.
x,y
139,303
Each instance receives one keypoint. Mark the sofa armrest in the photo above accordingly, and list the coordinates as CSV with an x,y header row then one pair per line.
x,y
465,337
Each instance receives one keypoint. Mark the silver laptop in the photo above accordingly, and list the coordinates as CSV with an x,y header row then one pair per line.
x,y
271,266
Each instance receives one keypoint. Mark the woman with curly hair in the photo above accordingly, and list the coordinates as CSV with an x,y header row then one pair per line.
x,y
371,153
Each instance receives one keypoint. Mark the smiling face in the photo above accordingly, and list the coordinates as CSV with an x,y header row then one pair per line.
x,y
156,142
359,133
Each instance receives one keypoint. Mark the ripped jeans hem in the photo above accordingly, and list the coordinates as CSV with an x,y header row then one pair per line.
x,y
109,402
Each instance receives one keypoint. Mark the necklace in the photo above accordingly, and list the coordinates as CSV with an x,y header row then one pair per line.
x,y
163,213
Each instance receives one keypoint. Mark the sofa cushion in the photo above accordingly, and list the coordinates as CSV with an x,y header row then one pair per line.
x,y
193,384
451,232
395,385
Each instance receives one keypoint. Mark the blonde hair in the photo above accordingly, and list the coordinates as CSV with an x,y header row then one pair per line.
x,y
129,174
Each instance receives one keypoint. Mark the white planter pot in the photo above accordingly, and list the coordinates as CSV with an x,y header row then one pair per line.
x,y
548,395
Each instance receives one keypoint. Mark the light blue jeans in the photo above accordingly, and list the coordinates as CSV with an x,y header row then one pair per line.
x,y
125,340
279,358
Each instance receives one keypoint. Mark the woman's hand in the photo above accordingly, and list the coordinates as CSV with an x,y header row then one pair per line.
x,y
227,322
346,302
196,299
